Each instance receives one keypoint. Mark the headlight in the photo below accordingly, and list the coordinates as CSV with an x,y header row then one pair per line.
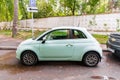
x,y
113,39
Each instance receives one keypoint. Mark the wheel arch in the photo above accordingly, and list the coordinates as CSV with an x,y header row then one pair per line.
x,y
30,51
91,51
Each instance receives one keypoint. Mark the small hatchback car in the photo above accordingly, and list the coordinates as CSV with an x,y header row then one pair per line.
x,y
61,44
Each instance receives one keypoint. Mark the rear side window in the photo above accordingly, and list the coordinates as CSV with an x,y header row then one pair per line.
x,y
78,34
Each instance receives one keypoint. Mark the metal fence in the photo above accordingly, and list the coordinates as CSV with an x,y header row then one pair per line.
x,y
101,22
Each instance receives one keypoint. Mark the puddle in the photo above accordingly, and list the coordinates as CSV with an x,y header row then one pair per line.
x,y
9,63
103,77
15,69
96,77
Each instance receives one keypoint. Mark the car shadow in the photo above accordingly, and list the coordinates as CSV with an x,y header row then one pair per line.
x,y
60,63
9,63
111,58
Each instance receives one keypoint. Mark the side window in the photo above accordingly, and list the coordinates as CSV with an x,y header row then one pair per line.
x,y
58,34
78,34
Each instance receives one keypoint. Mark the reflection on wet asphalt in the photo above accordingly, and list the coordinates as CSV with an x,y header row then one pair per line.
x,y
11,64
12,69
103,77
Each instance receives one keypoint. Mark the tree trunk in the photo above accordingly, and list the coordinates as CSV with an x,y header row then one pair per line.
x,y
15,19
73,9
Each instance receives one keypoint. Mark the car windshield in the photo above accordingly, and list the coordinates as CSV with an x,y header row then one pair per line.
x,y
37,34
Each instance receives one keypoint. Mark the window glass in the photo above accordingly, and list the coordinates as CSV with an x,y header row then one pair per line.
x,y
58,34
78,34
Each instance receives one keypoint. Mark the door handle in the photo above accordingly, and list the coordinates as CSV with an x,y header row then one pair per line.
x,y
69,45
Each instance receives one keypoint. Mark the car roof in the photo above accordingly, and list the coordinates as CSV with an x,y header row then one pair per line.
x,y
69,27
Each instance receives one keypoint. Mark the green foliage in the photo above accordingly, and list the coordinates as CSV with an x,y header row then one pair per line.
x,y
93,4
118,25
22,9
116,4
93,22
70,6
6,10
44,9
27,34
48,8
5,32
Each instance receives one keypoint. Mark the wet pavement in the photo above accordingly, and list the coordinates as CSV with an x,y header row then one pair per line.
x,y
8,43
12,69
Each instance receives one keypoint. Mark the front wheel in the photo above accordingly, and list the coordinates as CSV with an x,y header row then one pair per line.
x,y
91,59
29,58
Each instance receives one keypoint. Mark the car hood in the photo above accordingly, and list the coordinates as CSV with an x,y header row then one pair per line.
x,y
28,41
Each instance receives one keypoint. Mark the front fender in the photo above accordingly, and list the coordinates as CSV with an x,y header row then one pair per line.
x,y
22,48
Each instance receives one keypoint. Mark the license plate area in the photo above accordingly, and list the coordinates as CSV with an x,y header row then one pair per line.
x,y
111,50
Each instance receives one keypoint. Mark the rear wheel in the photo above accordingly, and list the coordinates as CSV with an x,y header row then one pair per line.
x,y
91,59
29,58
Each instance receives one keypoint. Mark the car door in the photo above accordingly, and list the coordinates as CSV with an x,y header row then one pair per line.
x,y
80,43
58,45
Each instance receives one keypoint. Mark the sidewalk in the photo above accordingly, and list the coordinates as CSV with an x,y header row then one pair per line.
x,y
8,43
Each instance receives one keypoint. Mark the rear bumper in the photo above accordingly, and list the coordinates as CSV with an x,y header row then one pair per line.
x,y
115,49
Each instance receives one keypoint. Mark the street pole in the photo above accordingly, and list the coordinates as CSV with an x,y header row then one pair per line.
x,y
32,8
32,26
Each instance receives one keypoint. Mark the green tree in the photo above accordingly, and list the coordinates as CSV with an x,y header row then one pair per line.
x,y
93,5
116,4
90,6
6,10
23,14
70,5
44,9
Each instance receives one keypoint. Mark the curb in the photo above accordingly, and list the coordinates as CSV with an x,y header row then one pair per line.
x,y
8,47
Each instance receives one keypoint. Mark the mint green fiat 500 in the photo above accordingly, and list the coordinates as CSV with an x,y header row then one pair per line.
x,y
61,44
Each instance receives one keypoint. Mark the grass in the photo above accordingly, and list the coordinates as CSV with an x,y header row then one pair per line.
x,y
21,34
5,32
101,38
27,34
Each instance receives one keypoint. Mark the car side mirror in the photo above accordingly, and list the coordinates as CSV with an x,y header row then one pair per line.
x,y
43,40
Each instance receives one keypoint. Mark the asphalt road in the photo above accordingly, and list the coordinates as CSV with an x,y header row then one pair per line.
x,y
12,69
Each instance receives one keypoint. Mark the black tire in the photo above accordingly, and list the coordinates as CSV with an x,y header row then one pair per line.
x,y
91,59
29,58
